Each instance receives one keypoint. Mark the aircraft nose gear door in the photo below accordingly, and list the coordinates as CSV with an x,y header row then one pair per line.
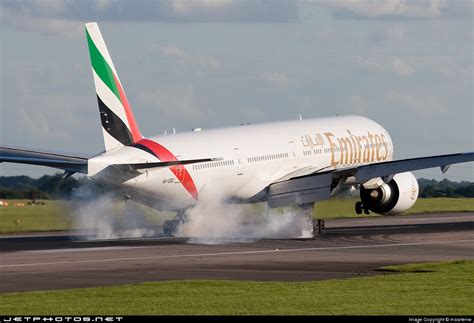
x,y
239,161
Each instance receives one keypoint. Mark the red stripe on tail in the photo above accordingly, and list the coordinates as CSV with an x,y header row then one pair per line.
x,y
128,112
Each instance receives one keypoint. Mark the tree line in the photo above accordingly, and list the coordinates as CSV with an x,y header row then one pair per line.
x,y
46,187
58,187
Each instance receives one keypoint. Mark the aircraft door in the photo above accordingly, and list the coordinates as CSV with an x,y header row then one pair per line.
x,y
293,154
239,161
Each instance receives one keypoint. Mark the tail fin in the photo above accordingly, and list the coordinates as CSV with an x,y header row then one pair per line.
x,y
118,123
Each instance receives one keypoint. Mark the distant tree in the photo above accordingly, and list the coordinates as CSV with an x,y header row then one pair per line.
x,y
58,187
466,191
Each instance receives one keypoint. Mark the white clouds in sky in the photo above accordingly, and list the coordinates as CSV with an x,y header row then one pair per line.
x,y
275,78
420,104
66,17
172,51
383,62
387,60
398,9
401,67
189,6
442,64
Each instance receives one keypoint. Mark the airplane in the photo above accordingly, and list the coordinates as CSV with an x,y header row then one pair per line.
x,y
291,163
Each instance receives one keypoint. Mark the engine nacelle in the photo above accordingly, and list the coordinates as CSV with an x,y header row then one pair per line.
x,y
393,198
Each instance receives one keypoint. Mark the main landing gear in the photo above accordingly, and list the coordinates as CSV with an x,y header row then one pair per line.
x,y
359,207
316,225
170,227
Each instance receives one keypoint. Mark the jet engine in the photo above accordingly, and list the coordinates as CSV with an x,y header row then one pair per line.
x,y
392,198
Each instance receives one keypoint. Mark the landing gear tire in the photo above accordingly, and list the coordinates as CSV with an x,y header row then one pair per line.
x,y
358,207
169,228
366,211
318,226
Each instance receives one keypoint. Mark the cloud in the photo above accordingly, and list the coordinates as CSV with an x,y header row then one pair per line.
x,y
275,78
180,101
65,17
172,51
446,65
395,33
186,61
443,65
420,103
61,27
379,61
190,6
401,67
46,103
398,9
360,104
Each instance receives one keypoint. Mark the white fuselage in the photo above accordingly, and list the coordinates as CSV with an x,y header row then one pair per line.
x,y
253,157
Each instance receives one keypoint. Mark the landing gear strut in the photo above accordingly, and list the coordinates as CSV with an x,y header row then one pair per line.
x,y
170,227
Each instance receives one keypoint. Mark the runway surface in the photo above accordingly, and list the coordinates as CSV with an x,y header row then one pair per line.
x,y
347,248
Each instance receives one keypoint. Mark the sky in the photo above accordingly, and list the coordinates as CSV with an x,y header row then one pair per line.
x,y
213,63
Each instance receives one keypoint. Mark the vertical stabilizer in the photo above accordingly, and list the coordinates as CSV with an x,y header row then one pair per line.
x,y
118,122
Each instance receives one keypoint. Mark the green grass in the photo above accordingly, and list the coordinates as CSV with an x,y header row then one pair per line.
x,y
442,204
425,289
61,215
51,216
57,215
344,207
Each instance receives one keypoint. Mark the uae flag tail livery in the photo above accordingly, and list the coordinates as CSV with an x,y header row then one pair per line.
x,y
118,122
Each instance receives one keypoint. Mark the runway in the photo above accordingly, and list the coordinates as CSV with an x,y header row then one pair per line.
x,y
347,248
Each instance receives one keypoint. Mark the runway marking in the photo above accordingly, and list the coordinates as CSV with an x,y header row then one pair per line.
x,y
456,219
342,229
68,250
237,253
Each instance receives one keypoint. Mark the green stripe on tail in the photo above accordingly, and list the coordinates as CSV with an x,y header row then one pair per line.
x,y
100,66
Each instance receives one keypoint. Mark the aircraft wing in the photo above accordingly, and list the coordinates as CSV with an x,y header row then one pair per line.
x,y
71,164
321,185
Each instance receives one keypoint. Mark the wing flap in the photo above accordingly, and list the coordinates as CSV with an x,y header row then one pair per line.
x,y
300,190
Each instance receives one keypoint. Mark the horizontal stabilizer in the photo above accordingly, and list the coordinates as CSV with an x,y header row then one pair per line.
x,y
137,166
71,164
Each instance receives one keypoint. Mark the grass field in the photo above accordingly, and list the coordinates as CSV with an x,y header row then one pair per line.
x,y
341,208
425,289
51,216
57,215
